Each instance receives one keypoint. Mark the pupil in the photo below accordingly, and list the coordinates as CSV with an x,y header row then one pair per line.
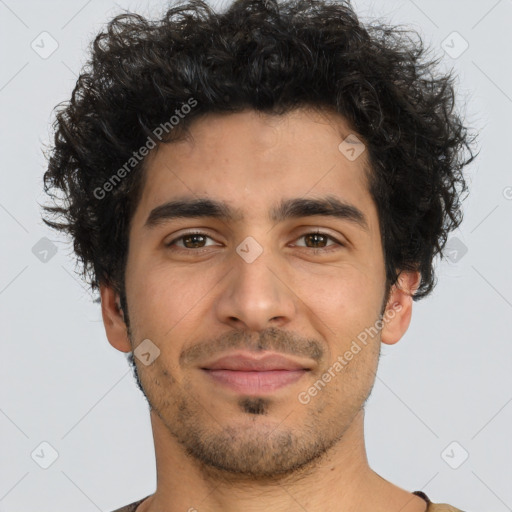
x,y
315,237
191,237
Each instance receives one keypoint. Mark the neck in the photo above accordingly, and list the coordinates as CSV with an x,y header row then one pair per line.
x,y
340,480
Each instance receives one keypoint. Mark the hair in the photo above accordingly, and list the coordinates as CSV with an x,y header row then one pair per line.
x,y
271,57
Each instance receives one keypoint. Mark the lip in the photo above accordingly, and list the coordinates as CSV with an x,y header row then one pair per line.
x,y
255,362
253,374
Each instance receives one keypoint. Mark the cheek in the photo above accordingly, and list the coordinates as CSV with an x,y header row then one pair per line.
x,y
343,307
162,299
345,296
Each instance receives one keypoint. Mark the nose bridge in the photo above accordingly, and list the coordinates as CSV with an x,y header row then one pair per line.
x,y
255,293
255,276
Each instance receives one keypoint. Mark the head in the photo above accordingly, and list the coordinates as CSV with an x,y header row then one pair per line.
x,y
272,178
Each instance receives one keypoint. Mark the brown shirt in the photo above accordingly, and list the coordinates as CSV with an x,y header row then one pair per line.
x,y
432,507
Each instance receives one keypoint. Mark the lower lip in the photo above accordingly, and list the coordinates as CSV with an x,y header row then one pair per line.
x,y
255,382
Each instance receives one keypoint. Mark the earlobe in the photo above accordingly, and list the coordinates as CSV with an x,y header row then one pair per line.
x,y
398,312
113,319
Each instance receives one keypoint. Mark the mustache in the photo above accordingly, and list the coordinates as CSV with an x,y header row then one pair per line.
x,y
284,342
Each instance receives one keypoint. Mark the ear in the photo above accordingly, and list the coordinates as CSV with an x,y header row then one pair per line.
x,y
397,315
113,319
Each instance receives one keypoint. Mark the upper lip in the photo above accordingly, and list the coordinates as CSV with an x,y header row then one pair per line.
x,y
255,363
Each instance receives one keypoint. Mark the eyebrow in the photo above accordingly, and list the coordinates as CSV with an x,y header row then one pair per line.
x,y
189,208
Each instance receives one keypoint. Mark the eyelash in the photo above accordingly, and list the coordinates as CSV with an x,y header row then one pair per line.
x,y
203,249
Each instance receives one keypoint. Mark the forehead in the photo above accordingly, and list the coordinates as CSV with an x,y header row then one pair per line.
x,y
251,161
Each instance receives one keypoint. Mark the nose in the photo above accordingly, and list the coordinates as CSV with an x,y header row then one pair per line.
x,y
256,295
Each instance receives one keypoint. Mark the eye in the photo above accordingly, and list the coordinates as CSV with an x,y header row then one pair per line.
x,y
318,237
190,241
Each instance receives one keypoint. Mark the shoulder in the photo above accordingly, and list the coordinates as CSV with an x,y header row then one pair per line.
x,y
131,507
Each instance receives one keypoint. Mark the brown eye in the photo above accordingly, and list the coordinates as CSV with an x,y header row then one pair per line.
x,y
195,240
315,239
319,240
190,241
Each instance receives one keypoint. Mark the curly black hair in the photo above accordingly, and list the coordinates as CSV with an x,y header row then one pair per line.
x,y
272,57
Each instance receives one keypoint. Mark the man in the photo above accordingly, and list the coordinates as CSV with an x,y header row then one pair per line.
x,y
259,195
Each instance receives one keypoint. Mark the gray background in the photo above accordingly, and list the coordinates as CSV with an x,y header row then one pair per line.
x,y
448,380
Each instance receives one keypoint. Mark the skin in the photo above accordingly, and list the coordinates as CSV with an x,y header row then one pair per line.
x,y
274,453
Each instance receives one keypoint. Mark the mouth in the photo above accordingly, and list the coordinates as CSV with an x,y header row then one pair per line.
x,y
252,374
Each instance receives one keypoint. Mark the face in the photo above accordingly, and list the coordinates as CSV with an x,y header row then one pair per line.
x,y
255,262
